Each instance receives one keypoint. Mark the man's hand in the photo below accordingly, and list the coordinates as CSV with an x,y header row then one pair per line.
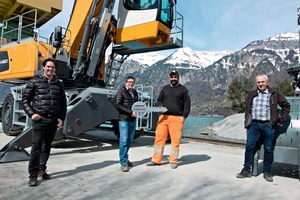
x,y
35,117
60,123
133,114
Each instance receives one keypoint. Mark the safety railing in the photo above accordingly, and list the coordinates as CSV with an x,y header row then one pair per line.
x,y
19,27
177,30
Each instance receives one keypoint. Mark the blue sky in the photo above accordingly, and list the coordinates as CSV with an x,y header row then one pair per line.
x,y
215,25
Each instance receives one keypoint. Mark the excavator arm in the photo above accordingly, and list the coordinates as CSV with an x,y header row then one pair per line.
x,y
130,32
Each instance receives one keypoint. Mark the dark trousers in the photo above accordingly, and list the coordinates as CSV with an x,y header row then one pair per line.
x,y
268,134
43,132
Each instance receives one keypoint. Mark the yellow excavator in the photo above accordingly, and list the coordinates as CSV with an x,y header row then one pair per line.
x,y
80,50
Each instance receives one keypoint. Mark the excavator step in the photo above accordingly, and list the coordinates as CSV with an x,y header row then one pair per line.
x,y
15,149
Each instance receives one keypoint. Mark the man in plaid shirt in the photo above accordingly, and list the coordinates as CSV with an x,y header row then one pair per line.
x,y
261,119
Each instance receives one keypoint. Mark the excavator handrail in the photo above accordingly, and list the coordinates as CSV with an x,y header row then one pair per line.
x,y
177,29
19,29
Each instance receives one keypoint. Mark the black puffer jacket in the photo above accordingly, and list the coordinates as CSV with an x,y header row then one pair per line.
x,y
43,98
124,102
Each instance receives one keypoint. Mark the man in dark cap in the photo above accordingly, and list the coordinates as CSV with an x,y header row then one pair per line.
x,y
176,73
175,97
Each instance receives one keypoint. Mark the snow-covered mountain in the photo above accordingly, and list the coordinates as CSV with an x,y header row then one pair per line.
x,y
182,58
147,66
194,59
283,41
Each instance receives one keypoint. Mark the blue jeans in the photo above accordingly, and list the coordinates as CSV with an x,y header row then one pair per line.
x,y
252,138
127,130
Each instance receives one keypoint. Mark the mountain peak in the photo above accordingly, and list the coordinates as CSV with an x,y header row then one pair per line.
x,y
285,36
195,59
287,40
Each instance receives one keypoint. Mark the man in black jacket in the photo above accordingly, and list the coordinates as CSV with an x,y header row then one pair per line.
x,y
44,101
124,100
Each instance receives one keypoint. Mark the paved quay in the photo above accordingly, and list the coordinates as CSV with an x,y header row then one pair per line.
x,y
85,169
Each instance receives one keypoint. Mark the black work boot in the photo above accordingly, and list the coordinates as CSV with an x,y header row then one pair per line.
x,y
33,180
130,164
44,175
268,177
245,173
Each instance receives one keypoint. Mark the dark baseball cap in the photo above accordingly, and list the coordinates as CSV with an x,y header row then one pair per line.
x,y
174,72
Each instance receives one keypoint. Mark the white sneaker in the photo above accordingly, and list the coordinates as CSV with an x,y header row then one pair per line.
x,y
124,168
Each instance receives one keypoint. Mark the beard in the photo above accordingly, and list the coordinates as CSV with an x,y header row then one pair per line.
x,y
174,82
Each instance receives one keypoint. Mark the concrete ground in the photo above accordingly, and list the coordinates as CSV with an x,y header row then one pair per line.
x,y
85,169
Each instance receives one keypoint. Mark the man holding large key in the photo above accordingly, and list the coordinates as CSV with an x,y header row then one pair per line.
x,y
175,97
124,99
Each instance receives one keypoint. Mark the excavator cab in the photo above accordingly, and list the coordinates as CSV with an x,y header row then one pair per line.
x,y
145,25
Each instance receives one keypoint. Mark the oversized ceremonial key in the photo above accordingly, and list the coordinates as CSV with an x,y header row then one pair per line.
x,y
140,107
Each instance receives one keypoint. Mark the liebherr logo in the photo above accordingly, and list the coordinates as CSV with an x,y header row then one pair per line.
x,y
3,61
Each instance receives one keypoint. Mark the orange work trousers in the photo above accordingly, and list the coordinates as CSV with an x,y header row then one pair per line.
x,y
168,124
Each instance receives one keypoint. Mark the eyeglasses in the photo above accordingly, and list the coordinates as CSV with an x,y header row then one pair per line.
x,y
130,82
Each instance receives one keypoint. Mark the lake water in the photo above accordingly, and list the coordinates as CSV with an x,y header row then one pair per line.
x,y
194,125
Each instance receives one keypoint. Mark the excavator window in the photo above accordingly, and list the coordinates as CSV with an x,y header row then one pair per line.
x,y
140,4
164,7
166,13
